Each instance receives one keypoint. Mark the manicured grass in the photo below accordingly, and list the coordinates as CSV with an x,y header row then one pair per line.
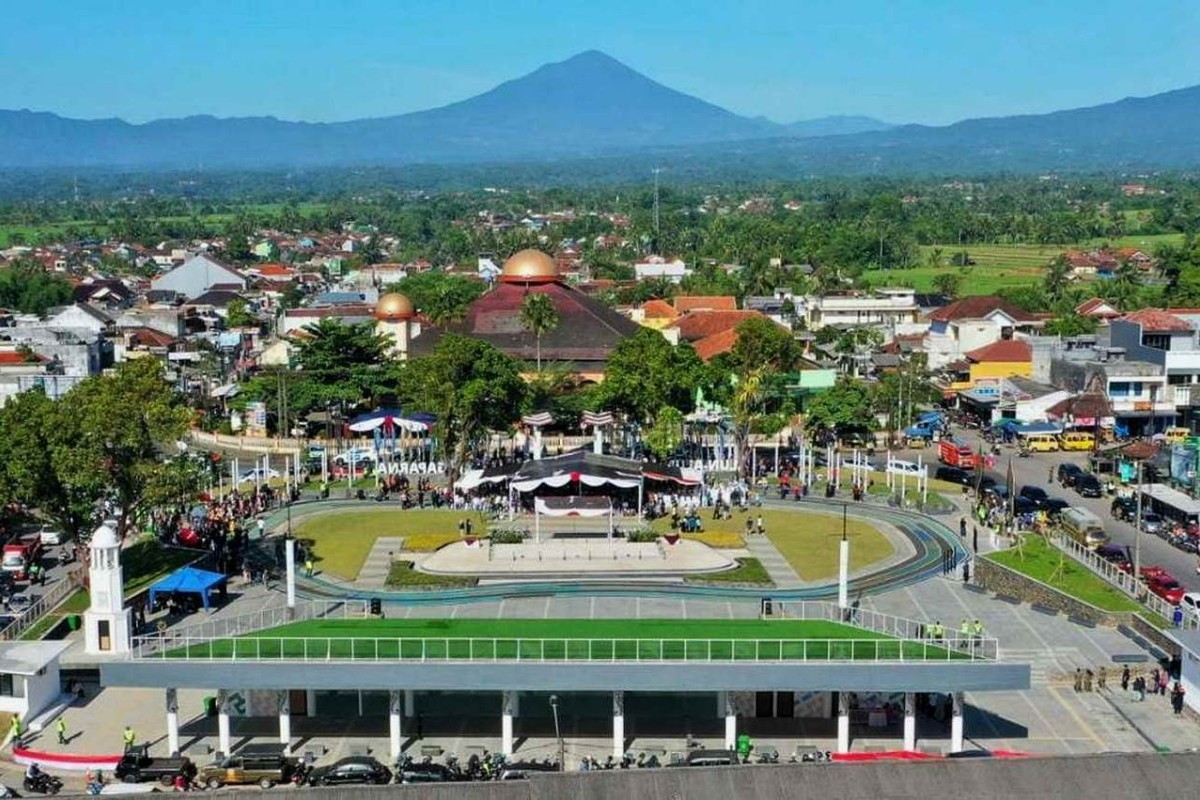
x,y
402,575
570,639
809,542
748,571
1041,561
342,539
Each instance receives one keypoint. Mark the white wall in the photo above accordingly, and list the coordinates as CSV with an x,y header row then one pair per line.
x,y
43,690
1190,678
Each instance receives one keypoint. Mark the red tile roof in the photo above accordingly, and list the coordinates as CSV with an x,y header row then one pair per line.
x,y
1094,308
1003,350
684,303
12,358
711,346
700,324
1155,320
977,307
659,309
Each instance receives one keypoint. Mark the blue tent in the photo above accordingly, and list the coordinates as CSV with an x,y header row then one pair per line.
x,y
190,580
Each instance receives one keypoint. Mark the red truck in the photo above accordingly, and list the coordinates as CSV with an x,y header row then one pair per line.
x,y
957,454
19,555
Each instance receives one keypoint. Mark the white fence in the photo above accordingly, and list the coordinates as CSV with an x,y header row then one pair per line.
x,y
51,599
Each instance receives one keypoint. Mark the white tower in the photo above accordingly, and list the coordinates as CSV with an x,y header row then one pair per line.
x,y
395,318
106,623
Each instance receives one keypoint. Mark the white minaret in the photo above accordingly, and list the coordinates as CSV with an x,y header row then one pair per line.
x,y
106,623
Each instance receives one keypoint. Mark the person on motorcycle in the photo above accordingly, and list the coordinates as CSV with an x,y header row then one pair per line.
x,y
33,772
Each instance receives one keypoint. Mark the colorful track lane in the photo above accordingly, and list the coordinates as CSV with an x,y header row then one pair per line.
x,y
929,538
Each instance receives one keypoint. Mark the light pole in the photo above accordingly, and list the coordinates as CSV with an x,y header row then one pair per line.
x,y
558,733
1137,533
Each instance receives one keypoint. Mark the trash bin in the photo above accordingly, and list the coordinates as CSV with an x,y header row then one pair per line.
x,y
73,621
210,706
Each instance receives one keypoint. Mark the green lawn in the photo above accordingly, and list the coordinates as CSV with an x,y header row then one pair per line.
x,y
748,570
809,541
342,539
403,576
570,639
146,561
1041,561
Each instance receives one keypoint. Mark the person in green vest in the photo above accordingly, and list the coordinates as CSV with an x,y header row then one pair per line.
x,y
977,629
14,731
128,737
61,728
964,631
744,747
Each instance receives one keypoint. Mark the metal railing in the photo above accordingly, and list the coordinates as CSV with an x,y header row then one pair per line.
x,y
170,646
49,600
1118,578
243,624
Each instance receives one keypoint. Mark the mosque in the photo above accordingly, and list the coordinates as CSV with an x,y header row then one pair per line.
x,y
585,337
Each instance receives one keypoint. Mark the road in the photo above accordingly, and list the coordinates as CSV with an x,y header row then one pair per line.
x,y
1034,471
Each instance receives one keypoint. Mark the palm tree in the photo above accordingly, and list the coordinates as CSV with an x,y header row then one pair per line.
x,y
538,316
1057,276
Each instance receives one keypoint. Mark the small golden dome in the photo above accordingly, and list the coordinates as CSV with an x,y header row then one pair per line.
x,y
393,307
529,266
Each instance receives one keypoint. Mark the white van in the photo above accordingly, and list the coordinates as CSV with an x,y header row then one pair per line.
x,y
1083,526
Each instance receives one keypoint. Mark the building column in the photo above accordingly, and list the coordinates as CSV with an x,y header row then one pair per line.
x,y
289,550
910,721
956,723
395,706
843,723
410,703
284,699
618,700
726,703
223,721
172,721
508,710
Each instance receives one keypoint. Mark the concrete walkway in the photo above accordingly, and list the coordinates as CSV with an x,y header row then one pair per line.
x,y
776,565
374,572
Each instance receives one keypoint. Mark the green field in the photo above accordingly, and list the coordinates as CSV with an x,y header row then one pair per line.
x,y
342,539
1046,563
570,640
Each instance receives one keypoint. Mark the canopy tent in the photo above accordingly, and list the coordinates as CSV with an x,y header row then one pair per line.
x,y
188,580
390,419
581,467
573,506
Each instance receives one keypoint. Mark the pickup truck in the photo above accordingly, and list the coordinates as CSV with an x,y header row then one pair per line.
x,y
137,765
18,556
264,764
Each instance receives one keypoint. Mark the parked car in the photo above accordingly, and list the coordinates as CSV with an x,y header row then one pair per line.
x,y
1023,505
50,537
1116,554
1088,485
1054,506
264,764
137,765
1035,493
1153,523
258,474
954,475
1124,508
1163,584
1067,473
1190,603
353,769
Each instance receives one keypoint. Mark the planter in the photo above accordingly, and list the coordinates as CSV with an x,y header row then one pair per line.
x,y
671,538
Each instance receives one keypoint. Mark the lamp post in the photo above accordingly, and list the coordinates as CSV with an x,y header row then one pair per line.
x,y
558,733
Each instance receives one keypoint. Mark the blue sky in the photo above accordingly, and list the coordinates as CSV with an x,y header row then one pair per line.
x,y
931,61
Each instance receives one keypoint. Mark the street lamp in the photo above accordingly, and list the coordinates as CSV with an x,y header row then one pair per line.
x,y
558,733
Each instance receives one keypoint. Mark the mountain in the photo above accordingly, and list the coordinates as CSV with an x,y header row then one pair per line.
x,y
836,126
592,115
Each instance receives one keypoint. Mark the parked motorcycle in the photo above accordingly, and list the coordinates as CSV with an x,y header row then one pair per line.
x,y
43,784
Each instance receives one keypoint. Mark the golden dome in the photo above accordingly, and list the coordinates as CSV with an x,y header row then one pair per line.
x,y
393,307
529,266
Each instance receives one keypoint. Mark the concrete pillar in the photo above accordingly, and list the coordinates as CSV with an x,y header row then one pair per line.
x,y
172,721
730,720
223,721
284,699
289,550
910,721
395,706
843,723
410,703
956,723
844,573
618,699
508,710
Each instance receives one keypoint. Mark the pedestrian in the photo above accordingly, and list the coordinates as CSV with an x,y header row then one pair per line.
x,y
760,526
261,526
1177,698
61,728
964,631
1050,474
1153,687
308,567
962,528
1163,681
1078,679
1139,686
1088,675
1101,678
975,539
14,731
966,572
128,738
1125,678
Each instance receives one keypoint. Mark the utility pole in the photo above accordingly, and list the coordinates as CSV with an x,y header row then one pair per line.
x,y
656,170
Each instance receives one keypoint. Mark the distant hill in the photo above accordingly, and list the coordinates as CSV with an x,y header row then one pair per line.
x,y
593,115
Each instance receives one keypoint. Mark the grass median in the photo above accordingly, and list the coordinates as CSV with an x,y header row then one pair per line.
x,y
1043,562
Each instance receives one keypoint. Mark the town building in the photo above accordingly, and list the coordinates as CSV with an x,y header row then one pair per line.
x,y
892,310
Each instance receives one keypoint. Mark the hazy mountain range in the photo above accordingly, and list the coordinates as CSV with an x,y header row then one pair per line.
x,y
592,106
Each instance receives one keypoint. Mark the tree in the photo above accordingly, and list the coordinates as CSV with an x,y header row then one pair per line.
x,y
666,434
441,298
332,347
26,287
744,409
646,372
947,284
1071,324
936,258
539,317
1056,279
472,388
842,409
237,315
763,343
